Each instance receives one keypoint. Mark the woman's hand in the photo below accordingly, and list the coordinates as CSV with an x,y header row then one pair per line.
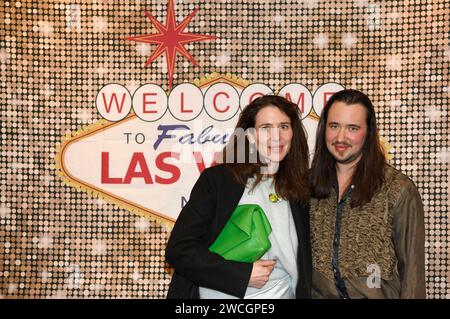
x,y
261,272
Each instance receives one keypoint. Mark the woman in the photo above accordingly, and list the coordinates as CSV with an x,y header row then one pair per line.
x,y
276,181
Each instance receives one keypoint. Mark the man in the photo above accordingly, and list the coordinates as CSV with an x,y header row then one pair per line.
x,y
367,225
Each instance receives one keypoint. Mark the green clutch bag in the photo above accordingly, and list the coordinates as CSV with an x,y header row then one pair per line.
x,y
245,237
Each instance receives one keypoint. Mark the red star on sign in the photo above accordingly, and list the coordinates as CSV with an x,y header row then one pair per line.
x,y
171,39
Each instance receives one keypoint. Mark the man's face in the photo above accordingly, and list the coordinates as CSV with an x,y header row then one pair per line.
x,y
346,131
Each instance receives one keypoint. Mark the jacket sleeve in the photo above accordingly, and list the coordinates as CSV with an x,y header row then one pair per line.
x,y
187,250
409,242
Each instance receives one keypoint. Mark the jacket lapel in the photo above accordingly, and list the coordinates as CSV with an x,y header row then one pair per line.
x,y
229,197
300,216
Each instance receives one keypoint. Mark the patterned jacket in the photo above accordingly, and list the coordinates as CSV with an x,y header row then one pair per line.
x,y
378,249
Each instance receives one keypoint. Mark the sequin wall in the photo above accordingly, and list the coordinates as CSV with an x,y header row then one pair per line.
x,y
57,241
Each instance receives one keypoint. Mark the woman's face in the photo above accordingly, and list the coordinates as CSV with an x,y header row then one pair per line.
x,y
273,133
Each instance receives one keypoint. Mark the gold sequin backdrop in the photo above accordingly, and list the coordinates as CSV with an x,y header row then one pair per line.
x,y
56,241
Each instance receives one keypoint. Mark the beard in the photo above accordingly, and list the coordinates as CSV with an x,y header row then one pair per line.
x,y
349,159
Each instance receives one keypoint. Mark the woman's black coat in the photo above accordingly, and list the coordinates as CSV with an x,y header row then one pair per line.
x,y
213,199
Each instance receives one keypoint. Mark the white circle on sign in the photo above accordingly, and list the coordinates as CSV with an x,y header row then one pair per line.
x,y
300,96
186,102
323,94
113,102
150,102
253,91
221,101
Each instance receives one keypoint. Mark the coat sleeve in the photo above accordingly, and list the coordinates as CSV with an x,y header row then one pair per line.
x,y
187,250
409,242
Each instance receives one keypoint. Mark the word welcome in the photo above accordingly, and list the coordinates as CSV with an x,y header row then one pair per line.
x,y
221,101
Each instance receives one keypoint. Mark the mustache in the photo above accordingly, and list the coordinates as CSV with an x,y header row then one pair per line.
x,y
341,144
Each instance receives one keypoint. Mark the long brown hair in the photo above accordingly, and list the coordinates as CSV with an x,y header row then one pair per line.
x,y
369,172
291,179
